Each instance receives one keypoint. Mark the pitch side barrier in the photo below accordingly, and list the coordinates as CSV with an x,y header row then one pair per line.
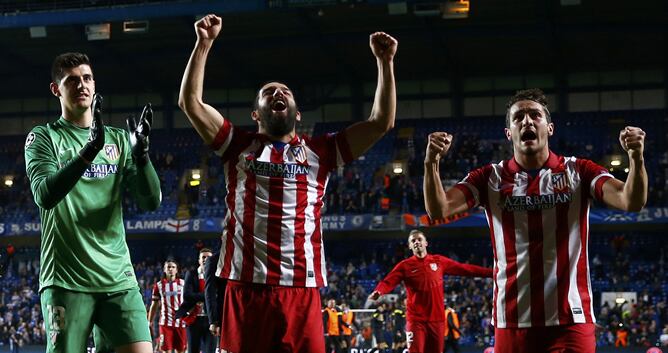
x,y
330,223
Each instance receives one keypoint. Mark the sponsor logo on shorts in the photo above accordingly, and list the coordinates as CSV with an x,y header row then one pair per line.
x,y
577,311
310,274
129,274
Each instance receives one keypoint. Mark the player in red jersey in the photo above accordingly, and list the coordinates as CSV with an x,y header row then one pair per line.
x,y
537,206
167,297
272,251
422,275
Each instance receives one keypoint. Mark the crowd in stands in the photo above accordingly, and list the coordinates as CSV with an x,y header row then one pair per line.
x,y
368,185
21,321
616,266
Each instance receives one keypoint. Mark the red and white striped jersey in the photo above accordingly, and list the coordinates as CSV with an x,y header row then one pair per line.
x,y
272,232
539,225
170,295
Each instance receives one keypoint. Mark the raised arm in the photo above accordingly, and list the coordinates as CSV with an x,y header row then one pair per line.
x,y
439,203
388,283
632,194
204,118
361,136
452,267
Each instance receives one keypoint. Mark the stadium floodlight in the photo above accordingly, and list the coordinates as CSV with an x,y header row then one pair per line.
x,y
100,31
453,9
196,174
135,26
194,183
397,168
9,181
615,162
626,170
37,32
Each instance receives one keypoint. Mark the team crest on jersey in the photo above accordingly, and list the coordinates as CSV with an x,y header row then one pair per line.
x,y
433,266
560,182
299,153
111,151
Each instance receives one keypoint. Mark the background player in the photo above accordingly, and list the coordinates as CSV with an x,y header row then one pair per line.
x,y
167,297
537,204
422,275
272,251
86,276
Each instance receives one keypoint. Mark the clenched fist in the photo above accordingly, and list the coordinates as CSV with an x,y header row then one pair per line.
x,y
632,140
208,27
438,144
383,46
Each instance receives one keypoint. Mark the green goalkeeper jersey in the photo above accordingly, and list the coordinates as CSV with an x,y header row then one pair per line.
x,y
83,245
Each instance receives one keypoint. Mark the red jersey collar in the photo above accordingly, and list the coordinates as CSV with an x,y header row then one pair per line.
x,y
295,141
552,162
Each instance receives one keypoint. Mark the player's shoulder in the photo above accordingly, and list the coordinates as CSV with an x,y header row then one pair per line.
x,y
115,130
44,129
40,129
489,166
318,139
38,134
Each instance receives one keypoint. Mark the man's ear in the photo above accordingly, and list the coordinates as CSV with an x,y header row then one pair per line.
x,y
54,89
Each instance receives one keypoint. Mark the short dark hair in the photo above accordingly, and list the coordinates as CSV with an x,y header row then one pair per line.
x,y
172,260
532,94
205,250
67,61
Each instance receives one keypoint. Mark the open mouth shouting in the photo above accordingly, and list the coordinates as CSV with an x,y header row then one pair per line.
x,y
528,136
279,105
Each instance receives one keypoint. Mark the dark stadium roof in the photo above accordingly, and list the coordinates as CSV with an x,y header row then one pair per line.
x,y
328,43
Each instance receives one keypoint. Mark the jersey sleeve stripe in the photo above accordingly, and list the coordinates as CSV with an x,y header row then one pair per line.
x,y
222,140
470,193
597,186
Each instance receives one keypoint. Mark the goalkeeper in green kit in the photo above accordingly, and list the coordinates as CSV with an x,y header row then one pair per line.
x,y
78,170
